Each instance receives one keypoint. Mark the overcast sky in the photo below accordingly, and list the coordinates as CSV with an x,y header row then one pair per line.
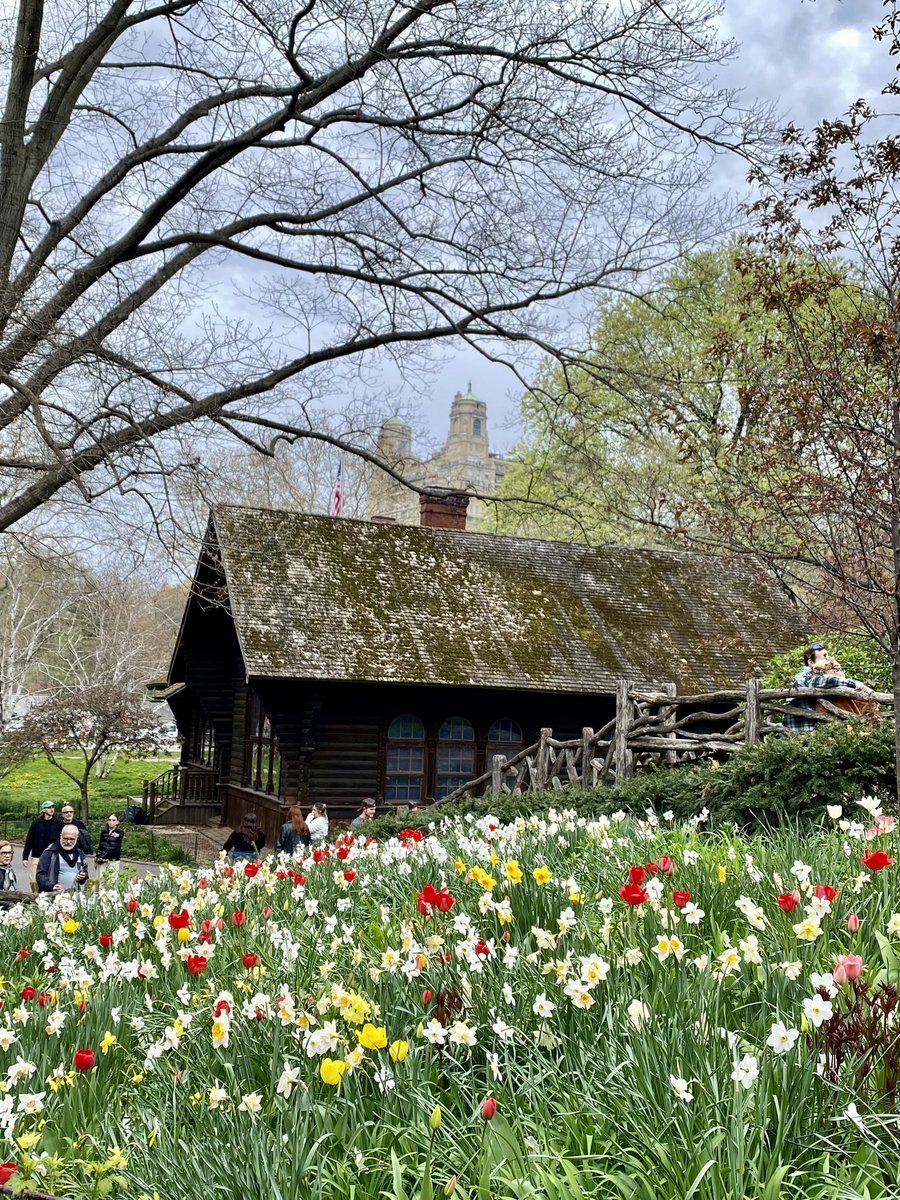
x,y
811,58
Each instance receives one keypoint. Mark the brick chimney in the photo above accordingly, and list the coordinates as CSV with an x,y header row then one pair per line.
x,y
443,512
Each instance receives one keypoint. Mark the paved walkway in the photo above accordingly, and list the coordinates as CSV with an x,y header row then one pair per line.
x,y
133,865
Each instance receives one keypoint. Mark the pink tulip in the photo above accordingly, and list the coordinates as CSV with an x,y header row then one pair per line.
x,y
885,823
488,1109
848,966
852,922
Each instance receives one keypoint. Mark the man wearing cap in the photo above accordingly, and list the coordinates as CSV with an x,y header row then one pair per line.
x,y
43,832
366,813
814,675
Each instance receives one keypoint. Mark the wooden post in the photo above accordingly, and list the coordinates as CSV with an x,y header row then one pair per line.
x,y
752,713
670,756
498,765
587,753
623,760
543,761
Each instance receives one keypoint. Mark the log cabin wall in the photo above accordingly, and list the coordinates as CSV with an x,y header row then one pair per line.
x,y
333,736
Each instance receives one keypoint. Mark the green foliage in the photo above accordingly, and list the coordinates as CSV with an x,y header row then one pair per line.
x,y
784,780
860,657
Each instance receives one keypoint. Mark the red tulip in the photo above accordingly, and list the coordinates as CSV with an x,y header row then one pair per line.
x,y
426,996
824,891
28,992
665,864
180,920
250,961
680,899
488,1109
652,868
238,918
318,855
637,875
7,1170
267,912
505,935
132,904
632,894
343,852
196,964
23,954
251,869
44,998
876,861
84,1060
852,922
105,940
483,949
788,901
349,876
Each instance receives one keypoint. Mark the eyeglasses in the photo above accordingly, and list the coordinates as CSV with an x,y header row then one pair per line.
x,y
6,850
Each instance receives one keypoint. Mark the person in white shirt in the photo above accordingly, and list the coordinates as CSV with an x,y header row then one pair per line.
x,y
318,823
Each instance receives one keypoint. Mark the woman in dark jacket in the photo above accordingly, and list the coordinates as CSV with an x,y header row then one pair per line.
x,y
109,848
247,841
294,832
7,874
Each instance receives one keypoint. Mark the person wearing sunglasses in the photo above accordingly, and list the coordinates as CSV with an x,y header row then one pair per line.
x,y
7,874
815,674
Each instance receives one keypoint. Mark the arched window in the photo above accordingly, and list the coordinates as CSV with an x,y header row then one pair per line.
x,y
405,759
504,737
476,427
262,761
455,755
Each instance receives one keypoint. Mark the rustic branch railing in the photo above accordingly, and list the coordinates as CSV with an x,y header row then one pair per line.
x,y
660,727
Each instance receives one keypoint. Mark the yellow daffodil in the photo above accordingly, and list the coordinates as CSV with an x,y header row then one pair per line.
x,y
108,1039
331,1070
723,873
373,1038
398,1051
513,871
460,867
541,876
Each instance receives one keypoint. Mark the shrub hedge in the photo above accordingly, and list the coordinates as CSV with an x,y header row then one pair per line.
x,y
785,779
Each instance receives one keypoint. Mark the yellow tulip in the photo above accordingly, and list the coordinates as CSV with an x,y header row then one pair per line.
x,y
398,1051
331,1070
373,1038
435,1121
70,926
723,874
184,935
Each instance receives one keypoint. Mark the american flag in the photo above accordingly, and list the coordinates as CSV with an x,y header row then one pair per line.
x,y
337,498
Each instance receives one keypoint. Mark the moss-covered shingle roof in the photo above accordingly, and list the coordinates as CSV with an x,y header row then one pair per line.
x,y
327,598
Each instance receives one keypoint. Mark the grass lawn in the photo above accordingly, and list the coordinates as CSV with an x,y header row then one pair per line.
x,y
22,791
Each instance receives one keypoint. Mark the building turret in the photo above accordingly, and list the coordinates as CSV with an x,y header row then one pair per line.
x,y
468,437
394,440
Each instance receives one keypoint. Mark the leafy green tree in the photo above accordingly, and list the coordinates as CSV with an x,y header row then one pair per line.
x,y
613,450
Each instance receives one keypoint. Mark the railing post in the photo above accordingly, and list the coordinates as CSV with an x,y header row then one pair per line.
x,y
498,764
622,757
670,756
543,761
753,713
587,771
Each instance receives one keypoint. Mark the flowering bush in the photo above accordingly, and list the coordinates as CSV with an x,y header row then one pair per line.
x,y
503,1010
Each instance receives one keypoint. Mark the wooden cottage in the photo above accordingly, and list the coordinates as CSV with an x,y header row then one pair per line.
x,y
331,659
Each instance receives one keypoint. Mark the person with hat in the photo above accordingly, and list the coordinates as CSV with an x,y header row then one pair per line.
x,y
43,832
366,813
815,674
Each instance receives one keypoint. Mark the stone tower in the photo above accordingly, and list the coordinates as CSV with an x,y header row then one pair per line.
x,y
465,463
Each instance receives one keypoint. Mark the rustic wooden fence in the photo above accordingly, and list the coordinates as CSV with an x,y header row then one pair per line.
x,y
660,727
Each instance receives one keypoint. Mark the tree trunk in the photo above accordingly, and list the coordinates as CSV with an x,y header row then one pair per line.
x,y
83,786
894,631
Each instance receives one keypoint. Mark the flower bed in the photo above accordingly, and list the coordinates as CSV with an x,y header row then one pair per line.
x,y
557,1007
